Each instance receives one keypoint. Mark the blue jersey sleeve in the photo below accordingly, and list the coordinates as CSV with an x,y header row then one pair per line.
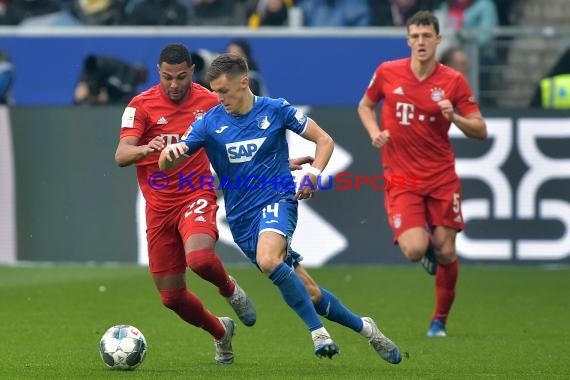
x,y
195,137
293,119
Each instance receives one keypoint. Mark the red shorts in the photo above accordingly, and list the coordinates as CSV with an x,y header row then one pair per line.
x,y
167,232
428,207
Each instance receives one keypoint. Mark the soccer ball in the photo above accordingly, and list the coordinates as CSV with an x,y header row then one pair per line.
x,y
123,347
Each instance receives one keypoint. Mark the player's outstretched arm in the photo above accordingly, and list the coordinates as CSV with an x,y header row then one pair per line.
x,y
128,151
172,156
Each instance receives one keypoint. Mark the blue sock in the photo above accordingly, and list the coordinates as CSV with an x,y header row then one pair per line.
x,y
331,308
295,295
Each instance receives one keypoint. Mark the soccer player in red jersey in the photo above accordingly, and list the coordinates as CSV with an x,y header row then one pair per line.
x,y
421,99
181,218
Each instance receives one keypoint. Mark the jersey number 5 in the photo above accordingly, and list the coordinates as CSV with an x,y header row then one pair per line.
x,y
456,203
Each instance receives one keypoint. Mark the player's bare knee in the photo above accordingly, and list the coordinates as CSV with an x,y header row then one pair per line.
x,y
414,253
445,252
446,256
266,263
413,247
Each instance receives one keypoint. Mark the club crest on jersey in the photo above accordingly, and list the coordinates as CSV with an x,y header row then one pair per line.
x,y
263,122
198,114
437,94
243,151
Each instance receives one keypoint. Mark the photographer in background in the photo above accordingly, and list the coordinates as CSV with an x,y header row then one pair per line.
x,y
107,80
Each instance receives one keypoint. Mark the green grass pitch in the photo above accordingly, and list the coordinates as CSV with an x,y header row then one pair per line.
x,y
507,323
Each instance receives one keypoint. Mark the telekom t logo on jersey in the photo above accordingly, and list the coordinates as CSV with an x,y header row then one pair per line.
x,y
404,112
170,138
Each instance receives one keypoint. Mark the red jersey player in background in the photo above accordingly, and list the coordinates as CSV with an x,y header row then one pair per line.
x,y
420,98
181,222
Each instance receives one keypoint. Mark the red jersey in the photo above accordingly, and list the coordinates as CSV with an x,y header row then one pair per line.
x,y
419,143
151,114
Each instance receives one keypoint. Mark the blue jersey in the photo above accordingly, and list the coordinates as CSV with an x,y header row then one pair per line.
x,y
250,154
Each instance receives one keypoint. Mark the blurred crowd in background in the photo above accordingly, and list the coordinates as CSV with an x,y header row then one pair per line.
x,y
252,13
114,81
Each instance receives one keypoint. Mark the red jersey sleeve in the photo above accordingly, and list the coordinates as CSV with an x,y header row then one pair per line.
x,y
374,90
134,119
464,101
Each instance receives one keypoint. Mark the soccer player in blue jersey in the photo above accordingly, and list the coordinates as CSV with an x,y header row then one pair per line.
x,y
244,138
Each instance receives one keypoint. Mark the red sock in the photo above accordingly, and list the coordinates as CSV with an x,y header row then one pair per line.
x,y
445,280
206,264
189,307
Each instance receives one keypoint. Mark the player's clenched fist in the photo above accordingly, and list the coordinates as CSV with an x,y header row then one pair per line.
x,y
446,109
380,139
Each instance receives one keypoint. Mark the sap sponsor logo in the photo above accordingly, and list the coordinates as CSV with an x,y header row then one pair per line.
x,y
243,151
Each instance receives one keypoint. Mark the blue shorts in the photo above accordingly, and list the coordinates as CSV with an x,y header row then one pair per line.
x,y
279,217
